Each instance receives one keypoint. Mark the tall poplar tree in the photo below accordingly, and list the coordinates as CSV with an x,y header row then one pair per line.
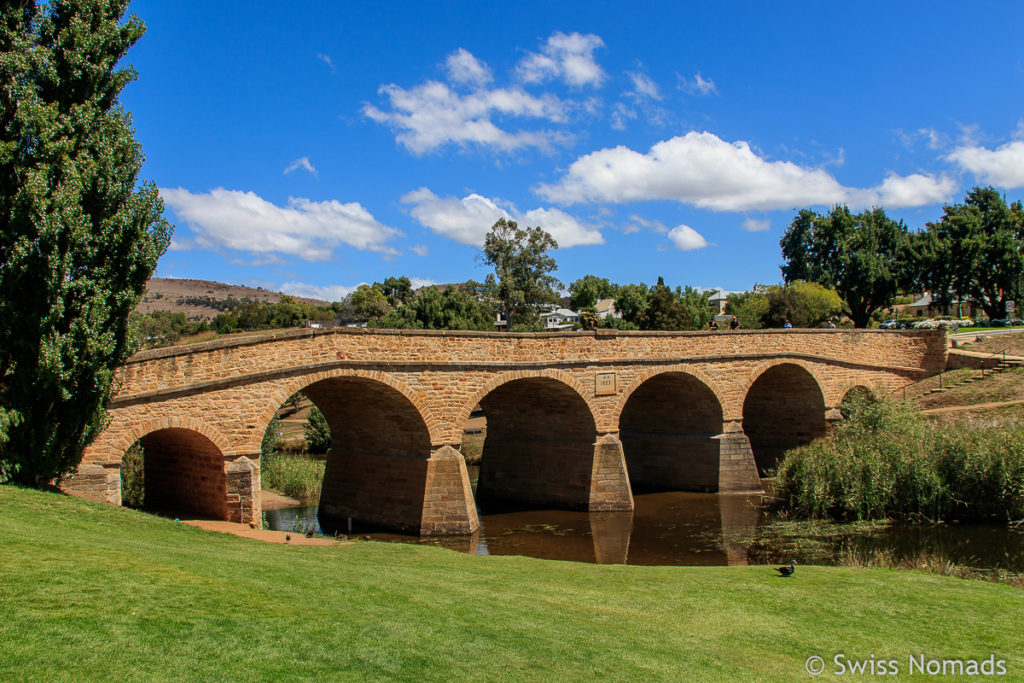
x,y
79,236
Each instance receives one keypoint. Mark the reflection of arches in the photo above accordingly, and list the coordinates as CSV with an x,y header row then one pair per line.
x,y
540,443
184,473
380,449
784,408
667,427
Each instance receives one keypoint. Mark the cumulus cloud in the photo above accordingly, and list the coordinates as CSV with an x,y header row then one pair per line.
x,y
420,249
463,67
304,228
431,115
1003,166
705,171
698,85
302,163
468,220
686,238
569,57
754,225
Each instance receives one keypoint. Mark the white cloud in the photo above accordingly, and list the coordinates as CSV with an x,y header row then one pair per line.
x,y
643,86
707,172
420,249
302,163
686,238
418,282
322,292
432,115
304,228
569,57
468,220
754,225
639,223
326,59
621,112
698,86
463,67
1003,166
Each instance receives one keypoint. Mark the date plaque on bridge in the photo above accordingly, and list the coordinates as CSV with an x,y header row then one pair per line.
x,y
605,383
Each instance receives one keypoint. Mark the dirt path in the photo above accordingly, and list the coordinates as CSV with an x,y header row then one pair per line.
x,y
265,535
973,406
275,501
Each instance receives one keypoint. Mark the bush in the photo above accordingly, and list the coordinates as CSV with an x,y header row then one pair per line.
x,y
886,461
318,432
133,482
294,476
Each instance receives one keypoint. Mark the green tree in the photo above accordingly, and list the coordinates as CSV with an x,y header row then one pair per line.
x,y
317,431
804,304
588,290
665,311
750,308
697,306
368,303
78,236
866,257
457,308
522,268
976,252
397,290
631,301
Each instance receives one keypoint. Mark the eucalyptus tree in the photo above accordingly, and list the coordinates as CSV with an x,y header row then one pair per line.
x,y
866,257
523,268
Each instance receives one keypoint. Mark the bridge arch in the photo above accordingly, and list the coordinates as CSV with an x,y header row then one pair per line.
x,y
281,390
669,425
183,472
540,441
783,407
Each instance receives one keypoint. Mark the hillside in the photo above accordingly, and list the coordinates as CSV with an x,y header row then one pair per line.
x,y
195,298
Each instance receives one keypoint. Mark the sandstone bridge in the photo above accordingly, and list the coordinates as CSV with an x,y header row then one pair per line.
x,y
574,420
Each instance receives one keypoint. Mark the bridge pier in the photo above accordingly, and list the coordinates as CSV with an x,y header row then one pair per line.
x,y
712,463
571,475
428,495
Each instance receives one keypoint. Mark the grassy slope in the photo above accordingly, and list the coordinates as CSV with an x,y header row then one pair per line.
x,y
90,591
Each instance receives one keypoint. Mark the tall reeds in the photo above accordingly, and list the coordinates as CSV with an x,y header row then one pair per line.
x,y
886,461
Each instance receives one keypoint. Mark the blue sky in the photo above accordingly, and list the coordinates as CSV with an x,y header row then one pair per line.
x,y
310,147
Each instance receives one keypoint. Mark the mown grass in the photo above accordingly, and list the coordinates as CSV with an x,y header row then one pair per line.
x,y
93,592
295,476
887,461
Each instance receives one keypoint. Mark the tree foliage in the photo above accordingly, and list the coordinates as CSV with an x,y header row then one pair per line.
x,y
588,290
865,257
369,303
78,236
457,308
976,252
317,432
523,268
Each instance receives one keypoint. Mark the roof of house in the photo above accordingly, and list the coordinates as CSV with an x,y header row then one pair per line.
x,y
604,304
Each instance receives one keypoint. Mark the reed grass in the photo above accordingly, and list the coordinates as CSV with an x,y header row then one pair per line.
x,y
295,476
887,461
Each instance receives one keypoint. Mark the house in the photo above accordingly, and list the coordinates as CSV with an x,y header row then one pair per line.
x,y
560,319
924,307
606,308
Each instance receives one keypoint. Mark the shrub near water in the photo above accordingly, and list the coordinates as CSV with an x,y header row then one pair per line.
x,y
886,461
294,476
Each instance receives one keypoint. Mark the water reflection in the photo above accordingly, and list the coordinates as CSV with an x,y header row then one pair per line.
x,y
699,529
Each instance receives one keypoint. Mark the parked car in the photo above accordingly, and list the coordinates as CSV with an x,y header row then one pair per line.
x,y
896,325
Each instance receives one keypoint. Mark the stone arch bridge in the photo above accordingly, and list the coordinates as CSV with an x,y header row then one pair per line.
x,y
574,420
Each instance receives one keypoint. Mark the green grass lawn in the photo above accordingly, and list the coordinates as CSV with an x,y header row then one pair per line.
x,y
92,592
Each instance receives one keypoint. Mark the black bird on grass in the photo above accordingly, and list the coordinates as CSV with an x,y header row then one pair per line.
x,y
309,534
787,571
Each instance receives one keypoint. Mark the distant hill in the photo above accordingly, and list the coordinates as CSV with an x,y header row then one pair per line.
x,y
197,298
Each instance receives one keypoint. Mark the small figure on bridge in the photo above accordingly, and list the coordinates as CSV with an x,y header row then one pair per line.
x,y
787,325
734,323
713,325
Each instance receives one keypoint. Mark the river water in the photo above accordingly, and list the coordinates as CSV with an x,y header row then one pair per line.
x,y
703,529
